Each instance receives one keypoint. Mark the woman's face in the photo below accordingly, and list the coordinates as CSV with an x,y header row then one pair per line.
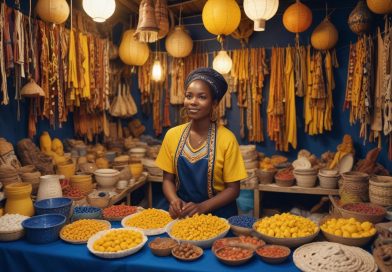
x,y
198,100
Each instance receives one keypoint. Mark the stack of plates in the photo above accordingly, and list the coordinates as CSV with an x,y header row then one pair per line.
x,y
120,162
152,169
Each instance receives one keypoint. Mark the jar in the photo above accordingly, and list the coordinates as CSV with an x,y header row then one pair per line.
x,y
49,187
19,199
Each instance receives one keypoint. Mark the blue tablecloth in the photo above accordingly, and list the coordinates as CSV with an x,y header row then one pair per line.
x,y
60,256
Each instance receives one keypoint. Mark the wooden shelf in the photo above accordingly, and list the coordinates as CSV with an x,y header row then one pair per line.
x,y
258,191
297,190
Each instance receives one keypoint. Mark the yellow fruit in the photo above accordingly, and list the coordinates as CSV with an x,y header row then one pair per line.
x,y
366,225
338,232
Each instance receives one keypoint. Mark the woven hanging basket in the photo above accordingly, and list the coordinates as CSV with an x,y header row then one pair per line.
x,y
178,43
32,89
360,19
162,18
325,36
380,6
52,11
297,18
131,51
147,28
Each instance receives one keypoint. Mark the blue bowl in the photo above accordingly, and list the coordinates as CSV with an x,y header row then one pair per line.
x,y
42,229
86,212
58,205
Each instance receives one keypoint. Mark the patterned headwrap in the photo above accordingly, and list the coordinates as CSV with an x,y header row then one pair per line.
x,y
215,81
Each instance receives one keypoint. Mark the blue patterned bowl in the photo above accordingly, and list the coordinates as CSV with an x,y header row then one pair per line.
x,y
86,212
59,205
42,229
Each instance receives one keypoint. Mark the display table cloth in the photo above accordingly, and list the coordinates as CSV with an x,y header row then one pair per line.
x,y
59,256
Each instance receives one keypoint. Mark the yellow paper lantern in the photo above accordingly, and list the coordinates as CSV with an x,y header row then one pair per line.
x,y
178,43
52,11
222,62
221,17
131,51
297,17
380,6
325,36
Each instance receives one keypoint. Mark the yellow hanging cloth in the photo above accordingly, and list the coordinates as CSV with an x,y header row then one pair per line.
x,y
86,66
72,66
291,124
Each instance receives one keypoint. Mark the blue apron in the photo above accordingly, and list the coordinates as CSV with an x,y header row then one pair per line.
x,y
195,172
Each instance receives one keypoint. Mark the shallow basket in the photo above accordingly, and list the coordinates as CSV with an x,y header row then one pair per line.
x,y
201,243
359,242
238,231
6,236
289,242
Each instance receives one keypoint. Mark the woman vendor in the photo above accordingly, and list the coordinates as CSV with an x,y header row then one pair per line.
x,y
201,160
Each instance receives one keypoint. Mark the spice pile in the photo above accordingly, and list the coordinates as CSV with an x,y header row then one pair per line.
x,y
118,211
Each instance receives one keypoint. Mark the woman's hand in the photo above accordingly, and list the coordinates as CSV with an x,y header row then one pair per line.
x,y
191,209
175,208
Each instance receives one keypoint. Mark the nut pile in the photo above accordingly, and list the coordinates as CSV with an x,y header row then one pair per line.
x,y
149,219
118,240
82,230
286,225
117,211
187,251
199,227
11,222
234,253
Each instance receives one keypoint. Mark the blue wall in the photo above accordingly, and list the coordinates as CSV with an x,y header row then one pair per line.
x,y
275,35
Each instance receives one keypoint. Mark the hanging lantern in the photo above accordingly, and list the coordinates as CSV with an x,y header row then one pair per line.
x,y
222,62
221,17
53,11
99,10
162,18
131,51
380,6
178,43
147,28
297,17
157,71
325,36
31,89
360,19
260,11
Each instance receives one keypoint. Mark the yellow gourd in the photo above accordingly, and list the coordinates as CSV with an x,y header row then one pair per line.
x,y
178,43
297,17
325,36
131,51
380,6
57,147
53,11
221,17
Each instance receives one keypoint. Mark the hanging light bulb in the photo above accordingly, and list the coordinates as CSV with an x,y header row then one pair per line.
x,y
222,62
99,10
157,70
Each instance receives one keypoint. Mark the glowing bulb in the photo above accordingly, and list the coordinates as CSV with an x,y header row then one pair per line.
x,y
157,71
222,62
99,10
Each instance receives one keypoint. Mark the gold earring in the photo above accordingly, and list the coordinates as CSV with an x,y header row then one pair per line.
x,y
214,115
184,114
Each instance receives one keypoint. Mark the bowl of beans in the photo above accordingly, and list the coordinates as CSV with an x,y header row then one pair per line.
x,y
86,212
273,254
162,246
363,212
244,241
241,224
234,255
187,252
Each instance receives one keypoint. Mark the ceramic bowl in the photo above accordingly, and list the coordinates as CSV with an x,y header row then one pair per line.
x,y
306,181
106,178
162,246
235,261
272,259
58,205
44,228
328,182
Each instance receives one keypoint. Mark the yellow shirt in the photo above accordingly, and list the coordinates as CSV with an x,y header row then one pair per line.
x,y
229,165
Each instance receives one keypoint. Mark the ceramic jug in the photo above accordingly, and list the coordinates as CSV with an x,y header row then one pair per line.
x,y
49,187
19,199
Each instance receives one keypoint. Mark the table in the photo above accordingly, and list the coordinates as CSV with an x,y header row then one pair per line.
x,y
260,188
139,182
59,256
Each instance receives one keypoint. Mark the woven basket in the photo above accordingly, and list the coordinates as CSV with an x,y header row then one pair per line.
x,y
11,235
380,190
356,185
266,176
361,217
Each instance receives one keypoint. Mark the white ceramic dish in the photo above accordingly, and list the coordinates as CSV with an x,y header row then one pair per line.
x,y
149,232
346,163
302,163
201,243
113,255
